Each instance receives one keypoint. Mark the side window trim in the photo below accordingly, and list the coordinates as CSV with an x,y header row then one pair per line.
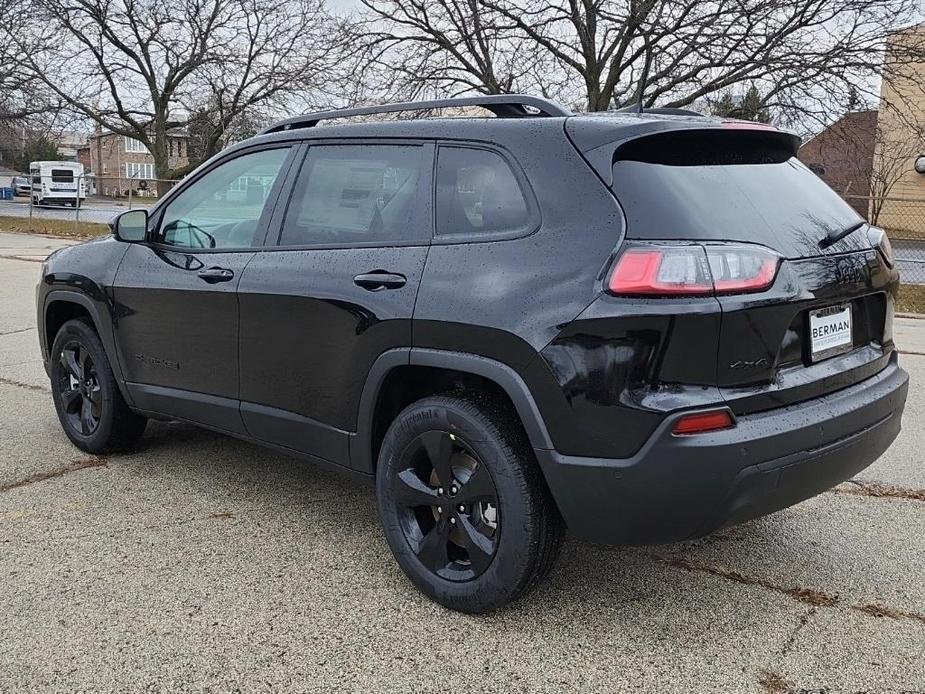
x,y
424,199
265,215
533,209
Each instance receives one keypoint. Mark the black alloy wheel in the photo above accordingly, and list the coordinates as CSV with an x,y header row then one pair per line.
x,y
447,506
87,399
463,504
79,388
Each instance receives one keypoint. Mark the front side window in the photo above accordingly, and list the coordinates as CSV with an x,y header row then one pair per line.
x,y
477,192
222,209
355,194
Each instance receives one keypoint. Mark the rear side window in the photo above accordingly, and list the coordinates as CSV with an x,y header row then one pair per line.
x,y
477,192
62,176
356,194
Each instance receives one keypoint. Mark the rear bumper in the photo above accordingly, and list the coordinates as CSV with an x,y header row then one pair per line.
x,y
677,488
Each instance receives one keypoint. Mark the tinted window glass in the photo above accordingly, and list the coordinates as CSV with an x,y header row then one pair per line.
x,y
62,176
735,191
349,194
222,209
477,192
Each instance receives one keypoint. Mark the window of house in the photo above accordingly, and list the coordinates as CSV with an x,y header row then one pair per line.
x,y
133,145
478,192
139,171
354,194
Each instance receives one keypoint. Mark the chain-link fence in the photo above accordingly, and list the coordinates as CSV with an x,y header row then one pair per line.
x,y
904,222
58,191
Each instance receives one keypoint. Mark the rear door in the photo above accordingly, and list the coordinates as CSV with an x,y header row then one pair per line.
x,y
337,290
824,323
176,313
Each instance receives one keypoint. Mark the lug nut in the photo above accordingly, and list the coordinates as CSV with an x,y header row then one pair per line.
x,y
454,489
453,521
440,509
462,509
440,490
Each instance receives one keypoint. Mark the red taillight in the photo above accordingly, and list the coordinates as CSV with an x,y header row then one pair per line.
x,y
667,270
702,422
648,270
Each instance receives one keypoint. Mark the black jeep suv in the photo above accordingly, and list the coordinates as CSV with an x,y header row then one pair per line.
x,y
639,326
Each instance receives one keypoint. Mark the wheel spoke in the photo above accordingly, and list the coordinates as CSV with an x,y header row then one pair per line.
x,y
70,362
86,417
479,547
432,551
86,363
411,491
439,447
479,486
96,399
70,400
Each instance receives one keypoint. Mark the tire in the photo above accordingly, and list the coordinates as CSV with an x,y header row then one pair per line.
x,y
87,399
457,472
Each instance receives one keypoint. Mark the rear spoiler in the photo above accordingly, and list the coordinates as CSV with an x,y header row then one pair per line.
x,y
602,140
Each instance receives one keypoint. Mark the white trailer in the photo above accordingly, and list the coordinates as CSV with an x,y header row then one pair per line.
x,y
57,182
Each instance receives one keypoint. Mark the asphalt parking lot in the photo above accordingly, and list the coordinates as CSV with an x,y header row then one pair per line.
x,y
201,563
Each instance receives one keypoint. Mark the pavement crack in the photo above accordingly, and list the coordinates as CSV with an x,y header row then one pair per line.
x,y
21,258
877,609
879,491
809,596
20,384
85,463
14,332
804,620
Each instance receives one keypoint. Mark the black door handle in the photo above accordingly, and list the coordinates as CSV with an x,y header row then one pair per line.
x,y
380,279
215,274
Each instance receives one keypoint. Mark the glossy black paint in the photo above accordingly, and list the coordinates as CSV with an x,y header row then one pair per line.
x,y
290,346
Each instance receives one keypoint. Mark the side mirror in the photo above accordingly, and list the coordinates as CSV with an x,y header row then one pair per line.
x,y
131,226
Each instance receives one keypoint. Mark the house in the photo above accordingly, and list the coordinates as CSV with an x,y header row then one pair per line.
x,y
842,155
119,163
898,188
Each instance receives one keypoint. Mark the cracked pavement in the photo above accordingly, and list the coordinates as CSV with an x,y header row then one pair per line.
x,y
200,563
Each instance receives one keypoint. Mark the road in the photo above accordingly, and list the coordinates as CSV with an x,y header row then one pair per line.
x,y
201,563
92,211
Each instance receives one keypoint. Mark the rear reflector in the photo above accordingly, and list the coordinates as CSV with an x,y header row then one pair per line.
x,y
692,270
702,422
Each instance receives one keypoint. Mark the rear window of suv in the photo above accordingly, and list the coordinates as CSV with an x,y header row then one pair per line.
x,y
725,186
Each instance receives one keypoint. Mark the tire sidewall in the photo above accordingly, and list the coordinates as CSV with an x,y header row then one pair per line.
x,y
80,331
511,564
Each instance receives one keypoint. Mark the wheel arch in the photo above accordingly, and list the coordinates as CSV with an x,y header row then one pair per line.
x,y
62,305
364,444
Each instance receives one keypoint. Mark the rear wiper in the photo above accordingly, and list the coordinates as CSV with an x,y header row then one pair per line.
x,y
834,236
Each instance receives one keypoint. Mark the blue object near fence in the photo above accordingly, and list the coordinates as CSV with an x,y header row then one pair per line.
x,y
6,193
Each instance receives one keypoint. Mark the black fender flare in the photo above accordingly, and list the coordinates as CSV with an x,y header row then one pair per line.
x,y
103,329
501,374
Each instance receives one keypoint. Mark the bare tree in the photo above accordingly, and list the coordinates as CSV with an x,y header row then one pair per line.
x,y
799,53
135,67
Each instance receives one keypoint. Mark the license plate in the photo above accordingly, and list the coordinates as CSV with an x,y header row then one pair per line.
x,y
829,331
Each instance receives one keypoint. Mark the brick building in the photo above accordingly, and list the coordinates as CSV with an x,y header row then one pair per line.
x,y
842,155
118,163
901,134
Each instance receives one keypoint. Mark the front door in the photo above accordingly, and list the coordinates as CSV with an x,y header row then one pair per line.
x,y
176,319
338,291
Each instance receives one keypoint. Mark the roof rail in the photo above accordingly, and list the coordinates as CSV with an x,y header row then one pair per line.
x,y
661,110
502,105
